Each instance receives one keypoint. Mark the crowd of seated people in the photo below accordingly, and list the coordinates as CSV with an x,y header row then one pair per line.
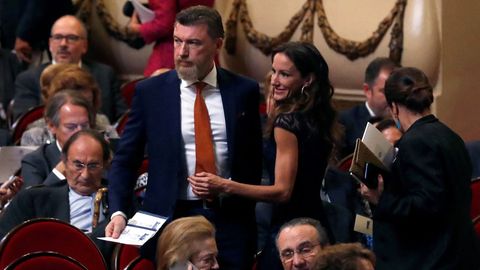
x,y
56,78
200,128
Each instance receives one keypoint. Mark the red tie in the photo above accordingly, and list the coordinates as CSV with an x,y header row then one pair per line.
x,y
205,157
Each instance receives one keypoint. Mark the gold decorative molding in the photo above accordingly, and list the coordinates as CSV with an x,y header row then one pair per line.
x,y
351,49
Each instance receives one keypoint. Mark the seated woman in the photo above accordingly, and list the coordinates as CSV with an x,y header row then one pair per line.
x,y
351,256
187,243
56,78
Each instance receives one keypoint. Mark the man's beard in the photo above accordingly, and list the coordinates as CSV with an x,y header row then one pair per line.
x,y
187,73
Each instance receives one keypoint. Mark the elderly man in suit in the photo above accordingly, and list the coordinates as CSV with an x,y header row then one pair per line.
x,y
355,119
165,119
68,43
66,113
85,155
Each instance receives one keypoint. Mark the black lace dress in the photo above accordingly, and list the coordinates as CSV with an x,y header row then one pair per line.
x,y
313,154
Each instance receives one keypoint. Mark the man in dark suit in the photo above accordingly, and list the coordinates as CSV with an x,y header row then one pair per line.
x,y
66,113
68,43
85,156
9,68
162,118
355,119
25,24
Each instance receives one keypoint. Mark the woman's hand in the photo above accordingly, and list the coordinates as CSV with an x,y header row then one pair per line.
x,y
207,185
134,24
372,195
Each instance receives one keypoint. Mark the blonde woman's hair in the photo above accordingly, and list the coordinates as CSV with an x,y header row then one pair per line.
x,y
48,74
69,76
177,241
344,256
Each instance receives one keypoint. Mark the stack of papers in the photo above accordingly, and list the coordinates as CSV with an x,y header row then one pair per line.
x,y
141,227
374,151
144,14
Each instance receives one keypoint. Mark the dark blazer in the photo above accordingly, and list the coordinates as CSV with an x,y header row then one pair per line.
x,y
154,121
9,68
473,148
27,89
30,20
37,166
354,121
36,202
49,202
422,218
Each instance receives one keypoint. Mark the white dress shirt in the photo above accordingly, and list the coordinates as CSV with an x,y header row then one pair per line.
x,y
81,210
213,101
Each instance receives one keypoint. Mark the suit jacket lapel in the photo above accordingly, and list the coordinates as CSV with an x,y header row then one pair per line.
x,y
59,202
229,109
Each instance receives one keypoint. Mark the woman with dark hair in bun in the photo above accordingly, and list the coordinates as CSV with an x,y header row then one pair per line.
x,y
422,216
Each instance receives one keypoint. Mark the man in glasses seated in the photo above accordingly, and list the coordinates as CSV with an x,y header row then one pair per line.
x,y
68,44
299,243
66,113
85,156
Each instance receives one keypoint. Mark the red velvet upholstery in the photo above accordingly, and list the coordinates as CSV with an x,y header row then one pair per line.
x,y
48,234
128,91
344,164
45,260
143,167
475,186
140,264
476,226
23,121
123,255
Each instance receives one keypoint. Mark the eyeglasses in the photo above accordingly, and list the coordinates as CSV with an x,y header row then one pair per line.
x,y
68,38
80,166
70,127
303,251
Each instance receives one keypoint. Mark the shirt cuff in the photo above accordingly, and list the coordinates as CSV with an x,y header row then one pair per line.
x,y
58,174
118,213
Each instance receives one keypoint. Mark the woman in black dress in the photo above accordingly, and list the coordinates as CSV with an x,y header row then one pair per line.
x,y
300,130
422,220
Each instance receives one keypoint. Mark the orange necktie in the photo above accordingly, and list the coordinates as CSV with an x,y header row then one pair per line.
x,y
205,157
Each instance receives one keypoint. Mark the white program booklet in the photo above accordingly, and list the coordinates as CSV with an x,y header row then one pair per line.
x,y
378,145
144,14
141,227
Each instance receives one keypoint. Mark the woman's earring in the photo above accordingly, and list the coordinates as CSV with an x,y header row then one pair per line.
x,y
303,88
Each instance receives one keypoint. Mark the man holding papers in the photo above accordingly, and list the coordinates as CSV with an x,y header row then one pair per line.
x,y
200,107
421,220
354,119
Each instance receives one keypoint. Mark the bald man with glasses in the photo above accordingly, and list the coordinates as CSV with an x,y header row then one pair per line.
x,y
68,43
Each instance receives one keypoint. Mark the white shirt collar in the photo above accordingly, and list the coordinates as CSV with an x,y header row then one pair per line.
x,y
370,111
79,63
58,146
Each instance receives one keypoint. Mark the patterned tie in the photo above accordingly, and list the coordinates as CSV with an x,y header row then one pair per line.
x,y
205,157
